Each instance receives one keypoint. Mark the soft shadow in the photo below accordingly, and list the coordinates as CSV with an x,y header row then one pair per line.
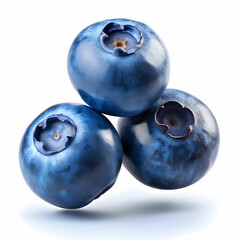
x,y
129,210
82,214
142,219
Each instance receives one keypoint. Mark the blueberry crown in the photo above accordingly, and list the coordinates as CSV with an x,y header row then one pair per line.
x,y
121,39
178,119
54,134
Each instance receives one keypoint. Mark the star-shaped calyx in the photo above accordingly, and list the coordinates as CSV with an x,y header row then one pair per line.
x,y
177,119
54,134
121,39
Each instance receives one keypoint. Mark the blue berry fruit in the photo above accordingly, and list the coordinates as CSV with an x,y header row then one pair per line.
x,y
119,67
70,155
173,144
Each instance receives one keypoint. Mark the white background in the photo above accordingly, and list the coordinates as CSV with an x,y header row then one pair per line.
x,y
203,40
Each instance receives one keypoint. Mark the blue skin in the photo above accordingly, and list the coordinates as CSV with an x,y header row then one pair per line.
x,y
116,80
161,158
70,175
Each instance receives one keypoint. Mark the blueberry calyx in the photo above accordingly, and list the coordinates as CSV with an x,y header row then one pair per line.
x,y
54,134
121,39
178,119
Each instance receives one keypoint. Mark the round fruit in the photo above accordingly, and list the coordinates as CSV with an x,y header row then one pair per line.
x,y
119,67
173,144
70,155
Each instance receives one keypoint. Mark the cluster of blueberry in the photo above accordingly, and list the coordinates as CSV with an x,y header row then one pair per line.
x,y
71,154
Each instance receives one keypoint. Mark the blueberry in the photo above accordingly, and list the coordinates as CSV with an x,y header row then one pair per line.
x,y
70,155
173,144
119,67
